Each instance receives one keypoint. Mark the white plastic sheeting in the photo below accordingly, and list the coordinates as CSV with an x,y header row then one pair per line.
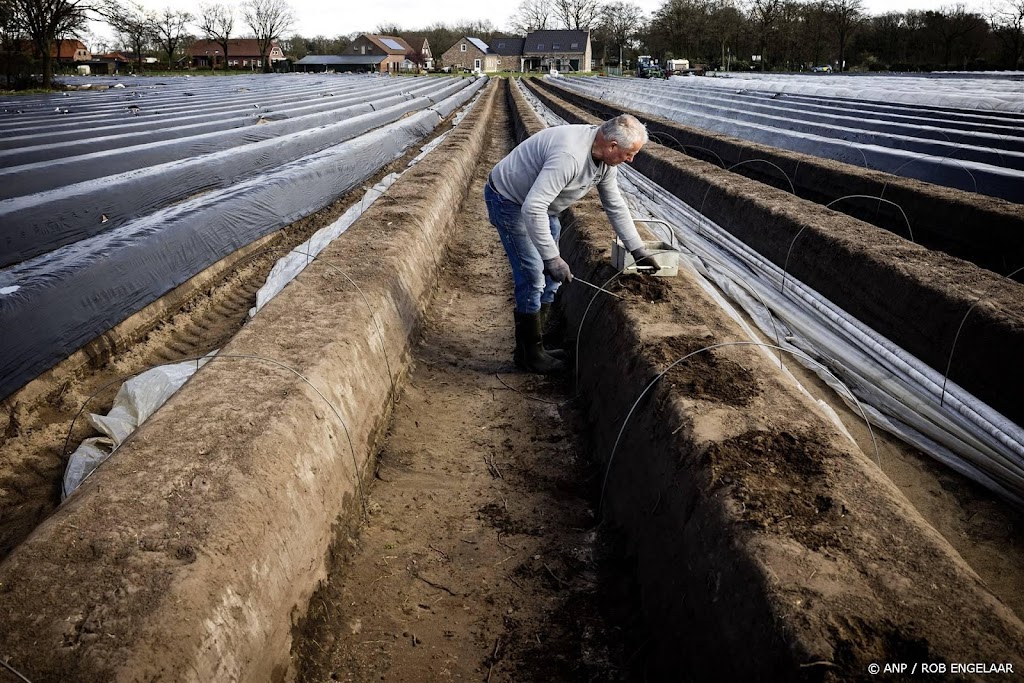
x,y
135,402
985,94
898,392
971,167
286,268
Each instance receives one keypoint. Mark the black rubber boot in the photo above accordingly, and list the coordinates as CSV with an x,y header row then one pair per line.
x,y
530,354
553,351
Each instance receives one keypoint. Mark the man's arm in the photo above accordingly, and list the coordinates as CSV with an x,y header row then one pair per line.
x,y
618,212
550,182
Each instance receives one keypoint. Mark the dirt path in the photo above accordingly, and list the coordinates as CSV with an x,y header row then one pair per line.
x,y
479,560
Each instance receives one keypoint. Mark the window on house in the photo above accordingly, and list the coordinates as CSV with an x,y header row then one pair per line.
x,y
575,46
555,46
540,46
462,47
501,44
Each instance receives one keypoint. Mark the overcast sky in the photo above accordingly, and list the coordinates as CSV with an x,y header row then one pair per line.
x,y
332,18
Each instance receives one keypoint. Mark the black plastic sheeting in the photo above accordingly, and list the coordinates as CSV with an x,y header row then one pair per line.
x,y
996,169
166,100
44,221
60,144
52,305
123,153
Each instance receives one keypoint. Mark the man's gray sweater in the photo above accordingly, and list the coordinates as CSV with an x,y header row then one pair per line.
x,y
552,170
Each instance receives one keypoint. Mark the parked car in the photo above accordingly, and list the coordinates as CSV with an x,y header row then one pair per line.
x,y
826,69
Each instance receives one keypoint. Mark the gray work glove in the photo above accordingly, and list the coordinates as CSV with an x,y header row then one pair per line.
x,y
643,257
558,269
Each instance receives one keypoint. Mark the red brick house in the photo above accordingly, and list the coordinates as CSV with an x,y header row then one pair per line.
x,y
243,53
71,50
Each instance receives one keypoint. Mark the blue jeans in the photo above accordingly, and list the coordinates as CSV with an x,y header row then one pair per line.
x,y
532,285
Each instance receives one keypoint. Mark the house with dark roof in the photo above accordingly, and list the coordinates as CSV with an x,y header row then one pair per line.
x,y
470,54
420,46
560,50
392,48
243,53
538,51
510,53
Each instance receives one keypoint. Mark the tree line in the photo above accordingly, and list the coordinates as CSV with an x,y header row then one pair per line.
x,y
743,35
46,24
766,35
790,35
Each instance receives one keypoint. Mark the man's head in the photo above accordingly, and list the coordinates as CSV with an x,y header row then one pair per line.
x,y
619,140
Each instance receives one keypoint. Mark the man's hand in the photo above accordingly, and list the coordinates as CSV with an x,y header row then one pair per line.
x,y
558,269
643,258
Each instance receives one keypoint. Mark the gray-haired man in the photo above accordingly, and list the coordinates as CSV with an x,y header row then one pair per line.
x,y
525,193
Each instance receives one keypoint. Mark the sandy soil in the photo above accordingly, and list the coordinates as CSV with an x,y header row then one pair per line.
x,y
480,560
987,533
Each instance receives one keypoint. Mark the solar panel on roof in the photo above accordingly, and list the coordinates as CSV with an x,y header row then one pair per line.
x,y
481,45
393,44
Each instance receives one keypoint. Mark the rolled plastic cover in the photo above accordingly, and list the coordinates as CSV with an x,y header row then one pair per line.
x,y
135,402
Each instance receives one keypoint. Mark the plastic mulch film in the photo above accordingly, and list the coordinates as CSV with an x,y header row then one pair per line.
x,y
994,171
53,304
43,221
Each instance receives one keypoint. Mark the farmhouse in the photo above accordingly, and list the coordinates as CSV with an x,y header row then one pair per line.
x,y
70,50
385,54
470,54
559,50
242,53
538,51
419,46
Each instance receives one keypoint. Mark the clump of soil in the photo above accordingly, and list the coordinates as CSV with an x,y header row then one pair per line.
x,y
707,375
778,481
648,288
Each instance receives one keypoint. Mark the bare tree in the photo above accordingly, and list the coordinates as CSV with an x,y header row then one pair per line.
x,y
10,33
845,16
619,23
136,27
217,23
44,20
268,19
955,27
531,15
765,16
169,29
577,15
1007,20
